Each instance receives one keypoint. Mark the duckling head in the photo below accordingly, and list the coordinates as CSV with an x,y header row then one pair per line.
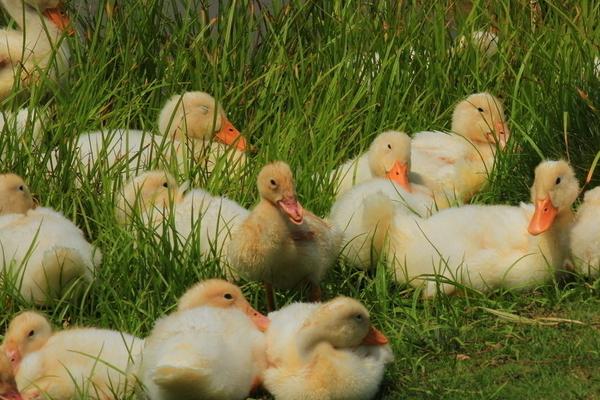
x,y
26,333
389,156
148,192
221,294
480,118
8,386
342,322
198,115
554,189
276,185
15,196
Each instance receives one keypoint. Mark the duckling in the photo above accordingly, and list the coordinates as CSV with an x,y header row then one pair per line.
x,y
8,386
153,194
27,333
484,247
378,162
213,347
325,351
485,42
44,252
18,123
585,235
456,165
389,161
36,48
192,126
70,361
149,195
15,196
280,243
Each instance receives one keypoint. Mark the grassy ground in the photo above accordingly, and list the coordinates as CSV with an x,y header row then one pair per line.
x,y
300,82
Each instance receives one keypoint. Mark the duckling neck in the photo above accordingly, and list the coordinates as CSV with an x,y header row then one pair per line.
x,y
309,340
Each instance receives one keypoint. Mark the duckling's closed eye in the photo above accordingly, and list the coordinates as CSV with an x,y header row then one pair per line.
x,y
204,109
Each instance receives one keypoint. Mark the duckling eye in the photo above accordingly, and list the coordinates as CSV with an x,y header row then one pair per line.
x,y
228,296
166,184
389,146
480,109
204,109
31,333
273,182
558,180
358,317
21,188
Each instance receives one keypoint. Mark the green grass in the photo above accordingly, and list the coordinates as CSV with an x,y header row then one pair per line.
x,y
300,83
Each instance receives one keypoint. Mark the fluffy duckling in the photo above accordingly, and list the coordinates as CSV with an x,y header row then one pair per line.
x,y
213,347
456,165
149,196
585,235
280,243
15,197
486,42
192,125
389,161
8,386
36,48
381,160
70,361
484,247
325,351
17,124
153,193
44,252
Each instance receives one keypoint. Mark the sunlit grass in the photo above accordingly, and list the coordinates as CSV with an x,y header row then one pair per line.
x,y
312,83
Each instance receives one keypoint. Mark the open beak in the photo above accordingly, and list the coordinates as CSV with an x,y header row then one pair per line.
x,y
543,217
59,19
375,337
261,322
399,174
231,136
503,134
293,209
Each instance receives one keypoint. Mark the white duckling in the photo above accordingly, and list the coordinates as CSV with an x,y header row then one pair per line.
x,y
148,196
585,235
19,123
485,42
377,162
212,348
484,247
280,243
389,161
15,196
36,48
153,194
71,361
192,126
8,386
456,165
42,250
325,351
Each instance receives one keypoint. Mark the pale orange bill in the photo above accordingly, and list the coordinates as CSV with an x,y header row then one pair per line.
x,y
293,209
60,19
503,134
399,174
230,135
375,337
543,217
14,356
261,322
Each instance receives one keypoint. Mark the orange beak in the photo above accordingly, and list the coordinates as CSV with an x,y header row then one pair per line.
x,y
293,209
399,174
503,134
261,322
230,135
59,19
543,217
375,337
